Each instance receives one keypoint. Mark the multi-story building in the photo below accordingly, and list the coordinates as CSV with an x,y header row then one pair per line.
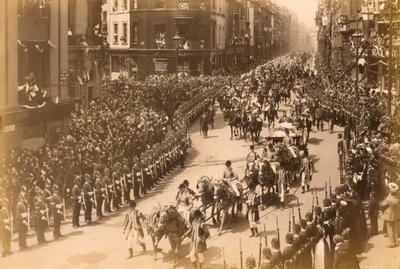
x,y
34,100
213,34
88,58
356,34
141,34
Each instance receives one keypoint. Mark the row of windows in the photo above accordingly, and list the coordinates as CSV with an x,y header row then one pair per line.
x,y
122,5
120,38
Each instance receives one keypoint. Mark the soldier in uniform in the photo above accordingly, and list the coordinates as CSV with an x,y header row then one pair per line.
x,y
5,227
198,236
253,214
22,220
306,171
56,206
40,216
47,195
76,202
88,198
100,193
109,191
276,257
137,179
289,251
117,188
133,228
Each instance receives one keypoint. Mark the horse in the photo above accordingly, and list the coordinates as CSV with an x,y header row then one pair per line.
x,y
235,123
205,189
255,127
290,161
165,220
271,115
225,197
251,174
267,178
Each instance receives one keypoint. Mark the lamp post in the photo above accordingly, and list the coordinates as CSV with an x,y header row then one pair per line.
x,y
357,36
177,40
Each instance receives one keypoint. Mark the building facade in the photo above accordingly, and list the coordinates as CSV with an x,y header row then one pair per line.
x,y
213,34
34,100
355,35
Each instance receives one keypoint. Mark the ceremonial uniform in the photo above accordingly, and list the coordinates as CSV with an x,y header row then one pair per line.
x,y
40,219
5,228
133,229
57,213
22,223
198,236
100,193
253,214
306,170
88,198
76,205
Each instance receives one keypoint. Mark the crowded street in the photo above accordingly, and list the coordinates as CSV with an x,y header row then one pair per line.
x,y
204,134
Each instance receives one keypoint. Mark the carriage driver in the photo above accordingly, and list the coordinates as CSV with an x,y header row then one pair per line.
x,y
231,177
184,202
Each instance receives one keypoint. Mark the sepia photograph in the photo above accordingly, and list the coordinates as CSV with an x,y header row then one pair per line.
x,y
200,134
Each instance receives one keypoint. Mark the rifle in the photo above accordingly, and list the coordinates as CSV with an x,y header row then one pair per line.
x,y
259,253
265,236
290,221
277,231
47,214
312,206
316,197
293,217
29,219
141,183
298,209
95,200
223,257
326,190
63,205
241,253
11,224
83,199
330,188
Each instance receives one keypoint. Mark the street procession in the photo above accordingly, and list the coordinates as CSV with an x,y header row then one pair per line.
x,y
225,134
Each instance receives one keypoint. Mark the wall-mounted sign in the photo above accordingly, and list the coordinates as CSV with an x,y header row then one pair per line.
x,y
64,77
160,64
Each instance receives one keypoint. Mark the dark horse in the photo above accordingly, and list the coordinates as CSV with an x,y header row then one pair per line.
x,y
205,189
235,123
255,127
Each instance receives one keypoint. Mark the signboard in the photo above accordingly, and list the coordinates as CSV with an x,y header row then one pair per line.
x,y
64,77
160,64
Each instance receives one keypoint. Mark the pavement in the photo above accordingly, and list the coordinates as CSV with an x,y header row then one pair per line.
x,y
102,244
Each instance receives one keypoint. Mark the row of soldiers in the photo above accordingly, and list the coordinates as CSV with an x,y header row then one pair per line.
x,y
45,207
325,238
109,186
108,189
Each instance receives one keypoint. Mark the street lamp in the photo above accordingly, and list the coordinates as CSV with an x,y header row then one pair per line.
x,y
357,36
177,40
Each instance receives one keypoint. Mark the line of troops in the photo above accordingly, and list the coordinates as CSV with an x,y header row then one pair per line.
x,y
322,239
106,190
